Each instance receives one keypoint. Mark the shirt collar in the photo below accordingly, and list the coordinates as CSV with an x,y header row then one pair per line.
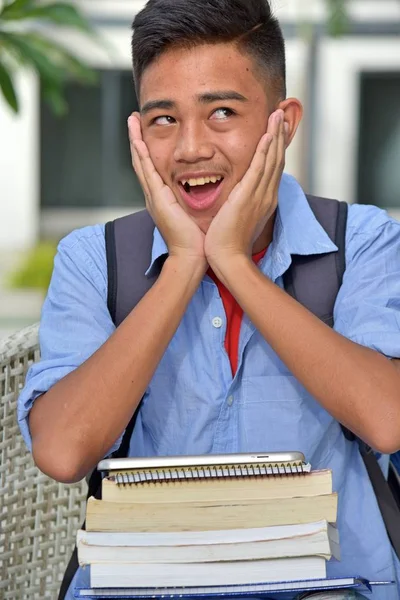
x,y
159,249
297,231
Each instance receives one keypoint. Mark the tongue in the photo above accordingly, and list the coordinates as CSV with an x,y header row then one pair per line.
x,y
202,192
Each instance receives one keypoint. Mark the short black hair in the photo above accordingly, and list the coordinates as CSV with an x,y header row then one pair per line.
x,y
165,24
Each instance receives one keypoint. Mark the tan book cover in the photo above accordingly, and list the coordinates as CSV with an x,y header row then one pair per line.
x,y
208,515
236,488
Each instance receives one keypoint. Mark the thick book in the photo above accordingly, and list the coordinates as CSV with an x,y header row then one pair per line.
x,y
238,591
208,515
115,488
117,575
287,541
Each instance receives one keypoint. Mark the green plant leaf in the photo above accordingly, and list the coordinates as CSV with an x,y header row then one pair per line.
x,y
338,20
7,88
29,54
52,61
15,5
66,61
59,13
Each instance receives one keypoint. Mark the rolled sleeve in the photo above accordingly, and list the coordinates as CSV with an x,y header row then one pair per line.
x,y
367,309
75,320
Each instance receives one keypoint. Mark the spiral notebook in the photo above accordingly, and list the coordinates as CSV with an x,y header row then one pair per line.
x,y
261,590
132,471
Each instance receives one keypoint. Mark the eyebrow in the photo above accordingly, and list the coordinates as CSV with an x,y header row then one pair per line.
x,y
207,98
157,104
210,97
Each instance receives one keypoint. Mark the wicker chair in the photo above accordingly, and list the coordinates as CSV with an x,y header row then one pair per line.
x,y
38,517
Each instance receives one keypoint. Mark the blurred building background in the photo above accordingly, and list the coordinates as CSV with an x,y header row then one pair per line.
x,y
57,174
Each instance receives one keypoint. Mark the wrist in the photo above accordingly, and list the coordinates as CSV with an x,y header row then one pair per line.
x,y
226,266
193,267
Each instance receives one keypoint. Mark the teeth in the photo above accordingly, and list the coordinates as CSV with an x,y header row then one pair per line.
x,y
201,180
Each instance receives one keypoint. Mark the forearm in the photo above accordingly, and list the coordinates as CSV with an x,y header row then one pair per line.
x,y
358,386
77,421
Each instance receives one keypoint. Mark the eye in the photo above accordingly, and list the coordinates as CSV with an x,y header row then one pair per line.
x,y
163,120
222,114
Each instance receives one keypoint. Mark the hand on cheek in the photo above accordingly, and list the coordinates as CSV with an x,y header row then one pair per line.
x,y
181,234
253,201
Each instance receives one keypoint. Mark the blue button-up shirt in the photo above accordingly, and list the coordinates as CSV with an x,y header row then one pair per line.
x,y
193,405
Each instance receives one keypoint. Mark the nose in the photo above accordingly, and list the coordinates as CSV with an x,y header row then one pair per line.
x,y
193,144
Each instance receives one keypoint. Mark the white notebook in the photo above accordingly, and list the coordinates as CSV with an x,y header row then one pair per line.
x,y
113,575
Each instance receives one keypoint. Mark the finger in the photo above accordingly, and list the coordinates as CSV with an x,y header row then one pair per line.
x,y
286,127
274,157
255,172
152,178
137,165
282,143
135,127
135,134
274,121
280,157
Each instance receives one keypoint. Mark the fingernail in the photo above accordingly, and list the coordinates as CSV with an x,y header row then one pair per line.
x,y
279,116
286,128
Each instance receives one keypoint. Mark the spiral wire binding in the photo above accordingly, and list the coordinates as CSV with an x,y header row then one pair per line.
x,y
209,472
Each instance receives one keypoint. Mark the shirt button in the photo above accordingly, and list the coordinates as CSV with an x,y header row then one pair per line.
x,y
217,322
230,400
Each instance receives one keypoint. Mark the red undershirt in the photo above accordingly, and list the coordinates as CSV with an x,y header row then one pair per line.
x,y
234,316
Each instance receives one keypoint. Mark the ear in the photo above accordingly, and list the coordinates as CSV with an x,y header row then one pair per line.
x,y
293,109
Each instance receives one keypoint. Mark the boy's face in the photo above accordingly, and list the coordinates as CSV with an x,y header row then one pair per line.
x,y
203,112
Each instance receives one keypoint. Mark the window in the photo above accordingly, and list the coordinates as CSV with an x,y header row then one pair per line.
x,y
379,140
85,156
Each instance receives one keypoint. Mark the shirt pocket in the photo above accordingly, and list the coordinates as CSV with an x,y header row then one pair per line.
x,y
278,414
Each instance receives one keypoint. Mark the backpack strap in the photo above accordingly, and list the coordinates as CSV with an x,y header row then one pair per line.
x,y
315,280
387,492
129,243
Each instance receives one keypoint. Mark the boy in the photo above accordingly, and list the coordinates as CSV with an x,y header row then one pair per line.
x,y
223,358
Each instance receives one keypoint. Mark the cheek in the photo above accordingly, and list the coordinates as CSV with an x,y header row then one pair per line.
x,y
159,156
240,155
241,146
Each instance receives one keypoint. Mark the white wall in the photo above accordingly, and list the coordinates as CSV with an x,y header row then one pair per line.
x,y
297,60
286,10
19,168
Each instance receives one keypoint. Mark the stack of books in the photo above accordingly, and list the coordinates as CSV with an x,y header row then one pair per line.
x,y
206,522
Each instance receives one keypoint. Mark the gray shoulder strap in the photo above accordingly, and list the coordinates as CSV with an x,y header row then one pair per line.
x,y
315,280
129,242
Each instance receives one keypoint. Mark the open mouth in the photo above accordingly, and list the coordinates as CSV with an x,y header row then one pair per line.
x,y
201,193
